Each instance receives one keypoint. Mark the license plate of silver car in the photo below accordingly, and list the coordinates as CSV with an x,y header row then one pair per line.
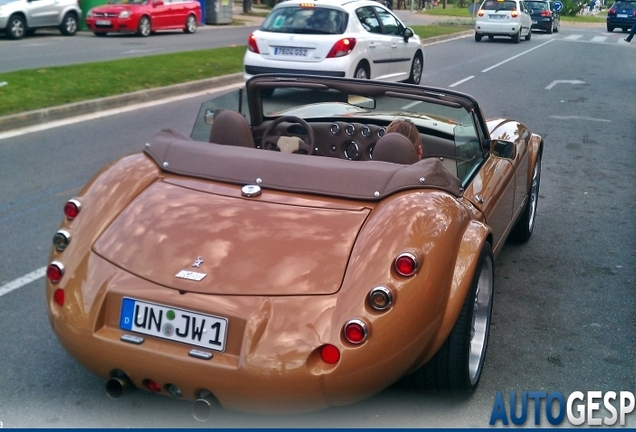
x,y
174,324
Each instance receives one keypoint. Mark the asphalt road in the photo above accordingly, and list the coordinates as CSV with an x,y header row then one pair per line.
x,y
565,304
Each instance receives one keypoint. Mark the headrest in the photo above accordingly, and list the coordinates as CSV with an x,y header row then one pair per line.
x,y
231,128
395,147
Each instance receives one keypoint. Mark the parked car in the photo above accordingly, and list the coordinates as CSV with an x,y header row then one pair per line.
x,y
290,254
144,16
544,15
21,17
622,14
360,38
509,18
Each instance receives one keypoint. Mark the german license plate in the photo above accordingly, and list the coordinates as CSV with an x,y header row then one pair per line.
x,y
102,22
621,15
174,324
291,52
496,17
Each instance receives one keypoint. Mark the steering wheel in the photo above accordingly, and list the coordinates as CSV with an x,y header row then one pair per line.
x,y
289,144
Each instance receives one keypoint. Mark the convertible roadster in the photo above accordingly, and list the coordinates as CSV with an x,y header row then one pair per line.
x,y
290,254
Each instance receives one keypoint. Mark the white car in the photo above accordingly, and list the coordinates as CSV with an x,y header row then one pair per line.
x,y
342,38
19,17
508,18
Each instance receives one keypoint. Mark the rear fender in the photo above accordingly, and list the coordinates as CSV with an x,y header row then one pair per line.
x,y
475,236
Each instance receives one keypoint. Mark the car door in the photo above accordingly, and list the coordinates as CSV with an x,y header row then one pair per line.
x,y
526,19
176,13
402,51
159,13
41,13
378,44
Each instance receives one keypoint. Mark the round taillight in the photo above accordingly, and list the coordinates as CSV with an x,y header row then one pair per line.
x,y
380,298
152,386
355,331
61,239
55,271
406,264
58,296
330,354
72,209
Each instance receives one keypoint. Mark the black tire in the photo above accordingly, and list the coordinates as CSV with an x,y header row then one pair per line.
x,y
416,69
610,28
99,34
525,225
529,35
625,29
456,368
191,24
478,37
16,27
551,28
362,71
143,28
68,27
517,37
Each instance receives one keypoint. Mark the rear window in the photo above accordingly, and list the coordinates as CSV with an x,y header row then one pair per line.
x,y
499,5
537,6
306,20
624,5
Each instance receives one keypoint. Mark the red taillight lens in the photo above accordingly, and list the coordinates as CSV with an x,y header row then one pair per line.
x,y
342,48
611,11
251,44
72,208
480,12
55,271
152,386
514,14
58,296
546,13
330,354
355,331
406,264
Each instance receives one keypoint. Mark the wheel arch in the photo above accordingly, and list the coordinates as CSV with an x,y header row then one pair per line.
x,y
476,235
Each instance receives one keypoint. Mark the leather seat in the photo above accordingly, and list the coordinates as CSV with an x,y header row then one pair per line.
x,y
231,128
395,147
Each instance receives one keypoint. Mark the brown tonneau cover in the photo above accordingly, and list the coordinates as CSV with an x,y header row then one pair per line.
x,y
367,180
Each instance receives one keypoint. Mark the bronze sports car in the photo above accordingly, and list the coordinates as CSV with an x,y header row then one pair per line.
x,y
291,254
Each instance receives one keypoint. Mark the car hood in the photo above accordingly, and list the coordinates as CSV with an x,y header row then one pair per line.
x,y
173,234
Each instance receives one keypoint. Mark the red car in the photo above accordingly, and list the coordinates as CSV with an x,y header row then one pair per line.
x,y
144,16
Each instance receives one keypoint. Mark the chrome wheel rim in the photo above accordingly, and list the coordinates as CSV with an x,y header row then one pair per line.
x,y
417,70
71,25
533,196
191,24
361,74
481,320
17,29
144,27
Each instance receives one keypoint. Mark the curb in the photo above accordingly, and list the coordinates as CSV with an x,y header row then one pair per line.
x,y
46,115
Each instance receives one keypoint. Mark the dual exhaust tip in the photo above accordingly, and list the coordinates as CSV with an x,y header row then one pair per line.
x,y
202,408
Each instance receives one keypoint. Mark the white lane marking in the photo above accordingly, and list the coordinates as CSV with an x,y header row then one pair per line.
x,y
573,37
598,39
22,281
100,114
555,82
580,118
518,55
462,81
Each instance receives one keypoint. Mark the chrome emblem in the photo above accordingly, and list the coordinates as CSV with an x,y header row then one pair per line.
x,y
197,262
251,191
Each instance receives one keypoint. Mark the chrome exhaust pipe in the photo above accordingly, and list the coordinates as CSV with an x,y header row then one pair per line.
x,y
202,407
117,386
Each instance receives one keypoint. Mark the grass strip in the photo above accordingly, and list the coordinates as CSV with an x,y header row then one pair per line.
x,y
32,89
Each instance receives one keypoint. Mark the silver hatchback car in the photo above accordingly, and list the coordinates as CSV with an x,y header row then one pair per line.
x,y
21,17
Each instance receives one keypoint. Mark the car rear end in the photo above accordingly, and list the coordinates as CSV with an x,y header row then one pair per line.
x,y
622,15
542,16
305,38
496,17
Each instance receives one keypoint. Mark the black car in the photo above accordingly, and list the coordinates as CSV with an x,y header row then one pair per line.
x,y
622,14
544,15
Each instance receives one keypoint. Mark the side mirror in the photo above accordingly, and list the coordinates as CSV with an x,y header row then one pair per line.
x,y
408,33
503,149
158,2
